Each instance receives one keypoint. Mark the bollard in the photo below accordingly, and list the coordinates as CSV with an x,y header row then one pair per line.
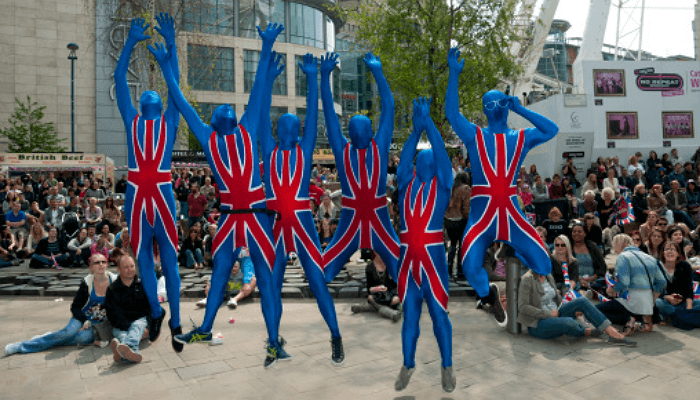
x,y
512,279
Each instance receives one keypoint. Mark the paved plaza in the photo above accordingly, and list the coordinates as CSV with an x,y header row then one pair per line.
x,y
489,363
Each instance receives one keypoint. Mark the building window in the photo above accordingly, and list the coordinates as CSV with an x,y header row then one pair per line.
x,y
306,25
251,58
210,68
209,16
253,13
300,79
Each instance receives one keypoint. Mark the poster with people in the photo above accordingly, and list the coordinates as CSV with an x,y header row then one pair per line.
x,y
609,82
622,125
678,124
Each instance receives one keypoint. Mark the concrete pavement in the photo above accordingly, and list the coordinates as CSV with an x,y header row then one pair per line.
x,y
489,363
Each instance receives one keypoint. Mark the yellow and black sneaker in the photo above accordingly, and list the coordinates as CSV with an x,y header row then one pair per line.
x,y
195,336
271,357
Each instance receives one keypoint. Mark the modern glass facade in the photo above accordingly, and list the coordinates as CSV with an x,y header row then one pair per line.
x,y
210,68
251,58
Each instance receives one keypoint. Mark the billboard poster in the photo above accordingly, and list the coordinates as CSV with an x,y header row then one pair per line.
x,y
678,124
622,125
609,82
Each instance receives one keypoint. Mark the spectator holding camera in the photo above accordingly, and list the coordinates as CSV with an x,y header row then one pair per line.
x,y
382,292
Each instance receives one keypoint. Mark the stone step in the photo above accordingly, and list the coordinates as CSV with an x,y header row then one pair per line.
x,y
61,291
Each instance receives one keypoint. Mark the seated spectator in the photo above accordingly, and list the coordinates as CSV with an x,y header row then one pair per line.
x,y
634,165
87,312
107,236
555,225
678,294
678,235
315,192
540,192
29,193
111,215
207,244
99,246
570,172
53,194
589,257
36,212
241,281
327,209
36,233
626,180
677,175
124,242
191,251
524,176
50,252
688,172
53,216
657,202
93,213
8,248
657,238
638,242
94,190
16,219
678,204
79,249
10,200
325,234
541,312
495,266
556,190
646,228
381,291
92,233
611,181
639,204
653,165
24,204
593,231
127,310
692,195
527,198
639,282
605,208
74,207
561,255
44,190
590,184
214,215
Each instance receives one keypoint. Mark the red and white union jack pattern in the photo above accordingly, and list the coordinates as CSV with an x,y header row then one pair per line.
x,y
501,192
237,193
147,179
365,205
416,238
287,201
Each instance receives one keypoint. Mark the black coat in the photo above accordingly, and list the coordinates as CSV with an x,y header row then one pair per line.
x,y
126,304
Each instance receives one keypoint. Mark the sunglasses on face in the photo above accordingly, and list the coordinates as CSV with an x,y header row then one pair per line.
x,y
662,224
559,245
491,105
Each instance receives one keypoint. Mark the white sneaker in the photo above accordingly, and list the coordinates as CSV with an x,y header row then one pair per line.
x,y
217,339
12,348
232,304
202,303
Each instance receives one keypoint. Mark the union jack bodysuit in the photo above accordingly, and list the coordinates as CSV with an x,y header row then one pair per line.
x,y
494,212
233,160
150,207
364,218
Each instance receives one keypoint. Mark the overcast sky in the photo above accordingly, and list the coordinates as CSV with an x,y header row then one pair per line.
x,y
667,24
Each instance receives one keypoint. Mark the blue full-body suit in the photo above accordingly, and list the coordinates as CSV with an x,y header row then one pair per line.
x,y
150,203
496,154
232,151
287,172
424,194
362,164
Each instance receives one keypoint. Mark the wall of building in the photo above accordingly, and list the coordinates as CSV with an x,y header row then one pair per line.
x,y
33,62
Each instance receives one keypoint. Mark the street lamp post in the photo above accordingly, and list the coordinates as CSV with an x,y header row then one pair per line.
x,y
72,57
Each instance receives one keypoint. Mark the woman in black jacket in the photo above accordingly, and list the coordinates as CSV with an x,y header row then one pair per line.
x,y
87,311
679,277
192,250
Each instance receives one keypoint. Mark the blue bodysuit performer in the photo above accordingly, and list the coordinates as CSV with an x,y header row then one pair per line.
x,y
361,163
232,151
424,194
150,203
496,153
287,171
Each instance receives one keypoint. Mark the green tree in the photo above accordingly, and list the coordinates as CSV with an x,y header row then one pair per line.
x,y
412,38
29,133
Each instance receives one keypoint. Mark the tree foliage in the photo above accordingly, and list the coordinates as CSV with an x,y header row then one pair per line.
x,y
29,133
412,38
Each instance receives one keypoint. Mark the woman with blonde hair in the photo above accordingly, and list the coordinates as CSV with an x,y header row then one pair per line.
x,y
563,255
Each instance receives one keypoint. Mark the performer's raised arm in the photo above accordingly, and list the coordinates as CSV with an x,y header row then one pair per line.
x,y
462,127
404,172
335,135
544,129
200,129
442,159
385,130
267,140
251,117
166,28
309,67
136,34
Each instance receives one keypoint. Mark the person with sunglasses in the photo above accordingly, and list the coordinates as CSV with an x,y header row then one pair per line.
x,y
496,153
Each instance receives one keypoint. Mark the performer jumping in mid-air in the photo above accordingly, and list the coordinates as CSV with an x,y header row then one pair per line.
x,y
232,152
150,203
361,163
287,168
496,153
424,194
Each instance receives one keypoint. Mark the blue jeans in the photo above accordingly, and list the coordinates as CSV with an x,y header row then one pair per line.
x,y
682,216
666,309
75,258
566,324
192,258
68,336
133,336
184,209
193,220
39,261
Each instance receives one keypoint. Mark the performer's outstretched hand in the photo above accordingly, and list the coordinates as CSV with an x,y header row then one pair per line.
x,y
166,27
275,68
373,62
328,63
138,27
421,113
162,56
269,35
454,62
309,65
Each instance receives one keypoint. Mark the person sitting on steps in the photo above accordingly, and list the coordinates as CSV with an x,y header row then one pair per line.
x,y
382,296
